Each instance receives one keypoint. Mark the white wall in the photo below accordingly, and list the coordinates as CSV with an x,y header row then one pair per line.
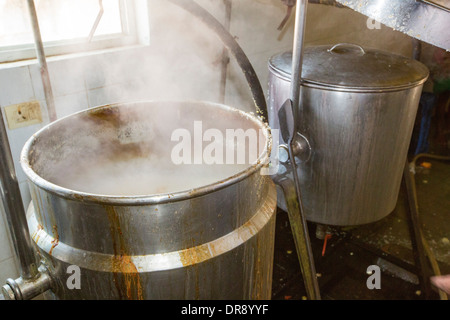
x,y
182,62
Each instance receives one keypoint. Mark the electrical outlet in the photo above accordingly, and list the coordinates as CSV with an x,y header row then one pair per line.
x,y
23,114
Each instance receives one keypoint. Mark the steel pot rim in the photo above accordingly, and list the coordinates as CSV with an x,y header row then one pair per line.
x,y
305,82
146,199
364,70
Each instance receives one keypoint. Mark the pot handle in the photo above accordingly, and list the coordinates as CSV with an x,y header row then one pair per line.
x,y
287,178
300,233
348,45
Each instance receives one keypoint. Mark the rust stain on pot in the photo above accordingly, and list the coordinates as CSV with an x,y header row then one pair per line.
x,y
126,278
55,240
36,235
258,270
194,255
126,275
84,197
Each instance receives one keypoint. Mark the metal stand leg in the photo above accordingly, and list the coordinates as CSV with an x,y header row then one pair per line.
x,y
301,239
419,253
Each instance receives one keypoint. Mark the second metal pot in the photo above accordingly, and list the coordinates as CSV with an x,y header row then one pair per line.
x,y
359,107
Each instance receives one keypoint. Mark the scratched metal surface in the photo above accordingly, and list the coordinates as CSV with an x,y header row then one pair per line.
x,y
428,21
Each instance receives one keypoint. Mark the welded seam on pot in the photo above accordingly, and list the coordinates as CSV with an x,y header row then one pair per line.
x,y
160,261
147,199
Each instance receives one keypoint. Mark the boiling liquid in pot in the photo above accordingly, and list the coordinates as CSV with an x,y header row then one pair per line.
x,y
144,177
130,151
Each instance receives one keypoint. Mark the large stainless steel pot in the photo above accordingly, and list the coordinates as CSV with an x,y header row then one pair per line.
x,y
359,107
206,239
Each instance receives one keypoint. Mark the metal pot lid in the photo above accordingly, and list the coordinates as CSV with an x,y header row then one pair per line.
x,y
350,66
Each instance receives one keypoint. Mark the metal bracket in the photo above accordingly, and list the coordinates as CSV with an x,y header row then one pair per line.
x,y
27,289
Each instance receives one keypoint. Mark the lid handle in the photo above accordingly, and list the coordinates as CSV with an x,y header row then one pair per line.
x,y
347,45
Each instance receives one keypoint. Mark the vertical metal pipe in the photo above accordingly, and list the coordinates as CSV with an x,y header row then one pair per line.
x,y
42,62
15,213
225,55
416,233
298,219
297,62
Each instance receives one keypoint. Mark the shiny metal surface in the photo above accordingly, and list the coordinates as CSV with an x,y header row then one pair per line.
x,y
212,242
347,66
299,230
359,138
8,293
428,21
27,289
291,121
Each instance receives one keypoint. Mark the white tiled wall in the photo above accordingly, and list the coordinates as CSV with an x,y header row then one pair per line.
x,y
8,264
182,62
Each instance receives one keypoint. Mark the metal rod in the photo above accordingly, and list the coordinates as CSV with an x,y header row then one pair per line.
x,y
298,219
15,213
225,56
297,62
42,62
412,209
300,234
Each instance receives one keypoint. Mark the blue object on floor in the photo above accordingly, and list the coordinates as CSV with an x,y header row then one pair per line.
x,y
427,101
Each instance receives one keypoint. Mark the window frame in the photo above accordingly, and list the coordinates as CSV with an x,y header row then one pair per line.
x,y
128,37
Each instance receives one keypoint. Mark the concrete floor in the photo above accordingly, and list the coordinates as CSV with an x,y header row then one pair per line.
x,y
386,243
